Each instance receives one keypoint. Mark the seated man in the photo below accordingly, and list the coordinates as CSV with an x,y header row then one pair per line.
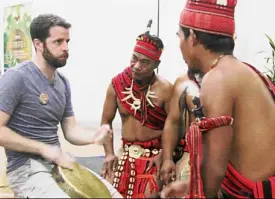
x,y
224,154
34,99
141,97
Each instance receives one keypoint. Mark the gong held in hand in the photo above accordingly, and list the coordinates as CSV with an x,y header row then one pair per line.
x,y
80,182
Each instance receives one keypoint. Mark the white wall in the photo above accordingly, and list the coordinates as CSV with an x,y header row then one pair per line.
x,y
103,36
254,19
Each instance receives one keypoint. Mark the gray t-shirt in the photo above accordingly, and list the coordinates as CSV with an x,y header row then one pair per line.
x,y
20,91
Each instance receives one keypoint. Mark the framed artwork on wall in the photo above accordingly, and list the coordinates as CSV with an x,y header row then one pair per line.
x,y
17,40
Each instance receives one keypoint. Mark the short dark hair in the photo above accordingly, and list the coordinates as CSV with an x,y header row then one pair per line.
x,y
41,25
214,43
153,39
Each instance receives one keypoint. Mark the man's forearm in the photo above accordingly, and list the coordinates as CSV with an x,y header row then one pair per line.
x,y
109,147
109,143
170,139
217,145
15,142
78,135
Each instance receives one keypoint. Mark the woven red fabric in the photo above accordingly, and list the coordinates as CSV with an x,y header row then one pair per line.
x,y
234,184
148,48
212,16
194,140
151,117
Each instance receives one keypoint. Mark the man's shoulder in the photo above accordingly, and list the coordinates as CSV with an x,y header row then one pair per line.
x,y
120,73
20,68
225,78
164,83
225,73
18,72
65,81
182,82
62,77
182,78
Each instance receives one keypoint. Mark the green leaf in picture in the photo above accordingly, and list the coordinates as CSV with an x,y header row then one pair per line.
x,y
27,18
9,19
5,41
18,7
12,23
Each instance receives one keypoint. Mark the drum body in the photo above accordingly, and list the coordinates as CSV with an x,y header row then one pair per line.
x,y
80,182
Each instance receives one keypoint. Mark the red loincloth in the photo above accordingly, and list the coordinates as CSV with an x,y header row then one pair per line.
x,y
152,117
137,170
232,182
235,185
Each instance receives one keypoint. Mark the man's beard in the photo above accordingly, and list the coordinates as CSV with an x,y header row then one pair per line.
x,y
52,60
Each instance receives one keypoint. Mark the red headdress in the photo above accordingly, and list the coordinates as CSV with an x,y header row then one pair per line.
x,y
146,46
212,16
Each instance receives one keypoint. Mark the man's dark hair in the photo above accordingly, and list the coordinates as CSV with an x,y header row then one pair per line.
x,y
156,41
214,43
41,25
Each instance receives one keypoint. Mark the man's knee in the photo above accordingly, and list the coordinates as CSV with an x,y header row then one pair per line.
x,y
42,185
34,180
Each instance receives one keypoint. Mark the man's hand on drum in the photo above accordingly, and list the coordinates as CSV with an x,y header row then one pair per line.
x,y
109,166
177,189
168,171
55,155
103,134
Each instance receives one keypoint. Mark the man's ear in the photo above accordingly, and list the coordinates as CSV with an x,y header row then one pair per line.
x,y
193,38
38,45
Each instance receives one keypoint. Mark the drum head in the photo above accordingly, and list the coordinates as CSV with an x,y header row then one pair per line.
x,y
80,182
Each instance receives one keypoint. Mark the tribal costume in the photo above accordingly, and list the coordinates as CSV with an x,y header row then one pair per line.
x,y
234,184
132,177
217,17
